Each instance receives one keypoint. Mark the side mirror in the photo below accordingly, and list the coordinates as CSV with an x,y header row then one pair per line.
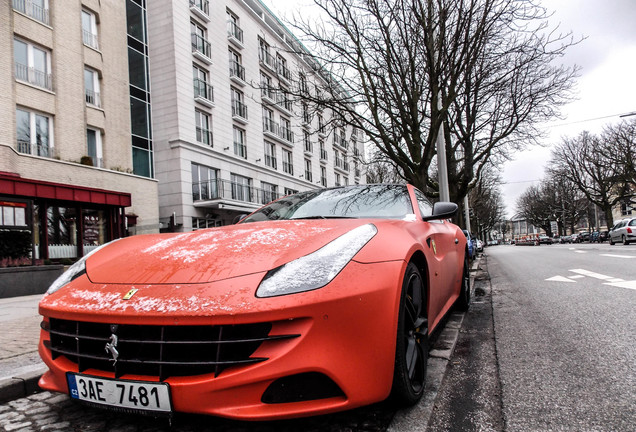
x,y
442,210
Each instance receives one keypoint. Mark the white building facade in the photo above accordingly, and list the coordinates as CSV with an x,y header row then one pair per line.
x,y
227,137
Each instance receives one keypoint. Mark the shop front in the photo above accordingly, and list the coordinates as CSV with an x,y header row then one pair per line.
x,y
57,222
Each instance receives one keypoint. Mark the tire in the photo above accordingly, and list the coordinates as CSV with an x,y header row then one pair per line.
x,y
625,242
463,302
411,350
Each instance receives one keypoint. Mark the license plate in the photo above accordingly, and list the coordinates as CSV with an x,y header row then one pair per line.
x,y
140,395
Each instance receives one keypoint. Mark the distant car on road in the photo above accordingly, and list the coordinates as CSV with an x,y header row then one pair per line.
x,y
544,239
623,231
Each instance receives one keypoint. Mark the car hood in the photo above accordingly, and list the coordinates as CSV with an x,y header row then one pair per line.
x,y
212,254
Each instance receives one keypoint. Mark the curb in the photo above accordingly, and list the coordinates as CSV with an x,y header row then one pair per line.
x,y
416,418
22,384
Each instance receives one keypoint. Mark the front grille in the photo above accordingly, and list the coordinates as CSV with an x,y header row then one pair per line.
x,y
162,351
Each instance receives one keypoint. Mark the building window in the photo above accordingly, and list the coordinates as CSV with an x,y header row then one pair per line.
x,y
288,164
240,148
36,9
233,28
89,29
32,64
239,109
204,183
199,42
204,135
202,89
270,155
308,173
241,188
34,133
264,54
236,68
269,192
94,147
307,142
323,176
91,87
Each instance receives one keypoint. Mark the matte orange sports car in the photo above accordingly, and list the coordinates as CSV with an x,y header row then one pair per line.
x,y
318,302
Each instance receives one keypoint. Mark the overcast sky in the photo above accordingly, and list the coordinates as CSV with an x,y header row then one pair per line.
x,y
605,89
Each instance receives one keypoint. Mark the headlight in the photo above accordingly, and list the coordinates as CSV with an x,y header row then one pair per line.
x,y
317,269
74,271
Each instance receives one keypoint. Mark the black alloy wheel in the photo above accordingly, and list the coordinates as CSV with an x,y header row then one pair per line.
x,y
463,302
411,351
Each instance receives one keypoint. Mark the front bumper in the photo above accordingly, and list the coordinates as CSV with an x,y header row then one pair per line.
x,y
347,336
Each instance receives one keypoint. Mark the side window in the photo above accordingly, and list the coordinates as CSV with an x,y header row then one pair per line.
x,y
425,206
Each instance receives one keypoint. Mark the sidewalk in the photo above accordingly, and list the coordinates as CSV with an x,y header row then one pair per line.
x,y
20,364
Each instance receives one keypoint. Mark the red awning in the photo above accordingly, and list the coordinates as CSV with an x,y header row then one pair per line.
x,y
11,184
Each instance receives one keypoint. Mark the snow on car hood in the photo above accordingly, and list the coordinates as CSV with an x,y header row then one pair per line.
x,y
212,254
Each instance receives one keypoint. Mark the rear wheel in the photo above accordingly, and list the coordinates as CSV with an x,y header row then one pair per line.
x,y
463,302
411,351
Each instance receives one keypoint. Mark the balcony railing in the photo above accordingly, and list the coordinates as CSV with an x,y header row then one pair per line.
x,y
32,10
92,98
267,59
201,47
34,149
237,70
283,72
234,32
204,136
239,109
201,8
33,76
203,90
225,189
90,39
271,161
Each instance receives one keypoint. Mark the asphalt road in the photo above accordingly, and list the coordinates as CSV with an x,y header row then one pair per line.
x,y
556,351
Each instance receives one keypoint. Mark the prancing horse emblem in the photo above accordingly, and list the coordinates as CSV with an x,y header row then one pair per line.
x,y
111,347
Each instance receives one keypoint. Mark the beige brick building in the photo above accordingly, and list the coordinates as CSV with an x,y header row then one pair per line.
x,y
66,161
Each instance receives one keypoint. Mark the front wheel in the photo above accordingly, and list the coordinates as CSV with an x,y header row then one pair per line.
x,y
411,351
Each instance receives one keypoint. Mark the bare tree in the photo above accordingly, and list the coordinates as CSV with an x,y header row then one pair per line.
x,y
588,162
401,70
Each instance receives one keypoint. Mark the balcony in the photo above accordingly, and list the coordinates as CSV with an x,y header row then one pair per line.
x,y
284,74
204,136
34,149
203,93
32,10
201,8
235,34
33,76
267,60
216,193
278,132
201,48
93,98
239,111
237,73
324,155
90,39
340,141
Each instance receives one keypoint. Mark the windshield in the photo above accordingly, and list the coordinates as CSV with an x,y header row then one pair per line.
x,y
364,201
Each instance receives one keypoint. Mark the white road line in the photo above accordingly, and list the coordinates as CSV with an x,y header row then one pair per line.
x,y
560,279
628,284
618,256
595,275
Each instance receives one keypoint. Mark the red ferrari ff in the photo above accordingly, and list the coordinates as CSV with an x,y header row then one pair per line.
x,y
318,302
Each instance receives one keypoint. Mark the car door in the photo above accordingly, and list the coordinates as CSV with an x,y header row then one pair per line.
x,y
443,258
